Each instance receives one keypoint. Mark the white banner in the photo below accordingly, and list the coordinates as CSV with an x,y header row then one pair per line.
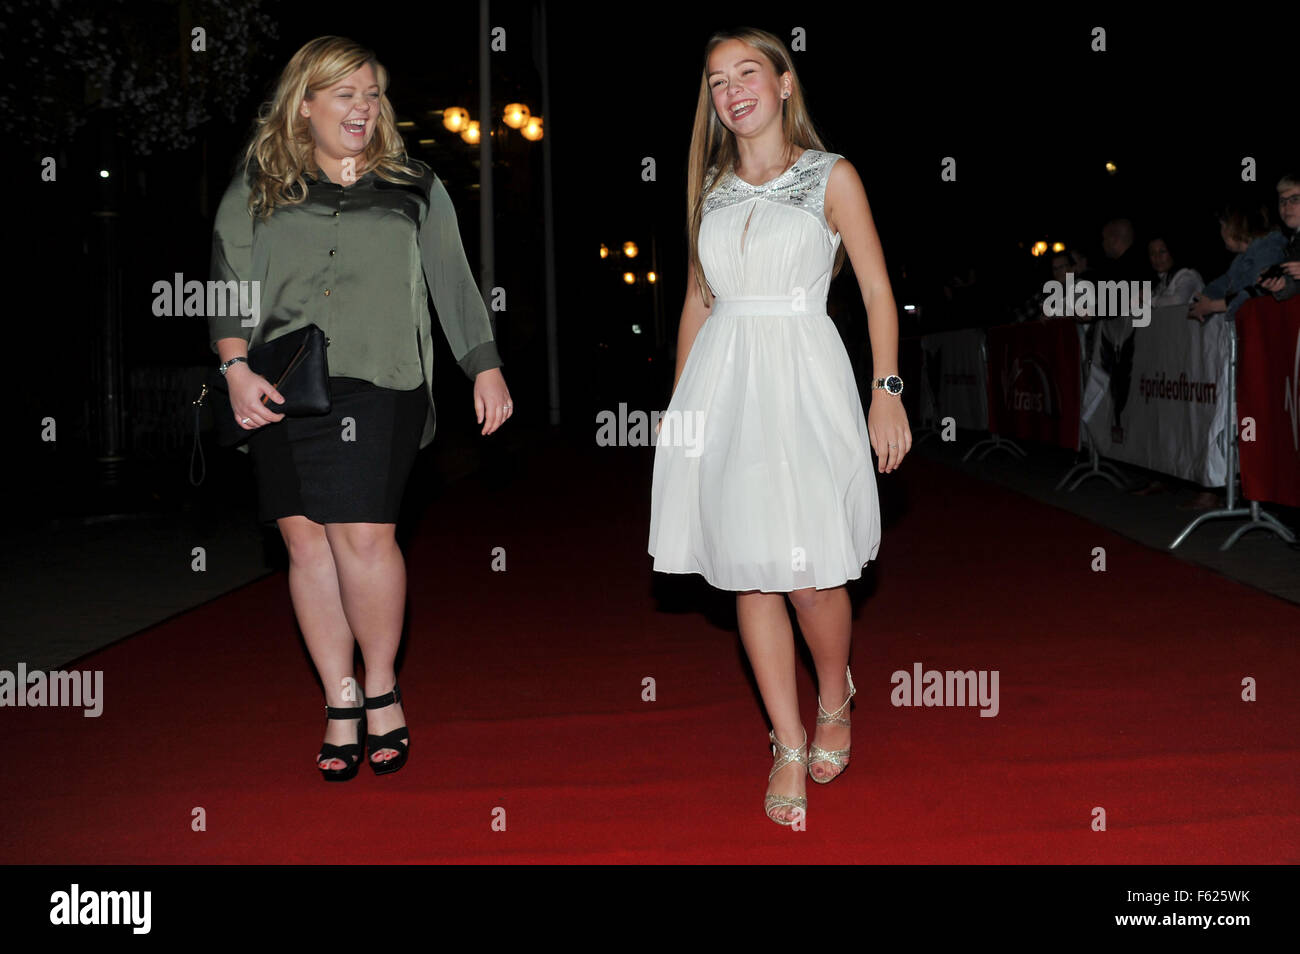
x,y
954,379
1158,396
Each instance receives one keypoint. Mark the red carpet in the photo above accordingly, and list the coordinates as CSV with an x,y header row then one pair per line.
x,y
1119,689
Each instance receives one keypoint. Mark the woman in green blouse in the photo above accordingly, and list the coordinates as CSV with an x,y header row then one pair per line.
x,y
342,229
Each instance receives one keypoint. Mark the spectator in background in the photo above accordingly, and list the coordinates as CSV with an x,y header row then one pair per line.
x,y
1288,207
1172,285
1245,230
1070,261
1123,260
1031,309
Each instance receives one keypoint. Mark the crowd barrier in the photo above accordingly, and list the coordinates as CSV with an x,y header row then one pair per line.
x,y
1161,396
1157,395
1033,382
1268,395
954,379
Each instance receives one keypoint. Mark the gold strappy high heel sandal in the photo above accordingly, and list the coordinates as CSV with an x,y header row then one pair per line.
x,y
838,757
784,758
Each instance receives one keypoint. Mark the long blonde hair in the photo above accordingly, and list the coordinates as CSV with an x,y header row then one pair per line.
x,y
713,144
282,149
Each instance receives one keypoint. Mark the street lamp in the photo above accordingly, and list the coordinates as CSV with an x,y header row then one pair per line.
x,y
456,119
515,115
532,130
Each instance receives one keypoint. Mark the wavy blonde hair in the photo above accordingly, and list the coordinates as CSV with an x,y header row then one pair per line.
x,y
713,144
282,149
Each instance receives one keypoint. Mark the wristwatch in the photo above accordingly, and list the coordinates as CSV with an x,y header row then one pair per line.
x,y
893,384
225,365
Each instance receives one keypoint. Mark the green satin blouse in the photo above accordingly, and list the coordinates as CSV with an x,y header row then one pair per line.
x,y
359,262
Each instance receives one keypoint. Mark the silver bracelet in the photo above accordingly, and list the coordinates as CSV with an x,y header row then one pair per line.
x,y
225,365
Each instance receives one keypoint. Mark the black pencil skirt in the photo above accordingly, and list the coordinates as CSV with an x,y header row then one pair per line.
x,y
334,471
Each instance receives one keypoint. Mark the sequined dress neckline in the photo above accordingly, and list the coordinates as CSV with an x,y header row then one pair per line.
x,y
766,185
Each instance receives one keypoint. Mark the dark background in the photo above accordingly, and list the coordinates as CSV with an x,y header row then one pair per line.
x,y
1018,99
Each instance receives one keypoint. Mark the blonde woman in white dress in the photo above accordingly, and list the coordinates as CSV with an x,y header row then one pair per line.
x,y
763,477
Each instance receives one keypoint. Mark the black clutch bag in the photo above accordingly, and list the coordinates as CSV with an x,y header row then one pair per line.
x,y
294,363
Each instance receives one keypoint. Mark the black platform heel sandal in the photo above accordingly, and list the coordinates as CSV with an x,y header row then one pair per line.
x,y
398,739
351,753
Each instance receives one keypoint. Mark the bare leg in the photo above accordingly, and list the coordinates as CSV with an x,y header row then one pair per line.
x,y
769,643
314,589
372,583
826,619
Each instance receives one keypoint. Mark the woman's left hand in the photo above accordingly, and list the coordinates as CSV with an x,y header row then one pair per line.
x,y
492,405
887,427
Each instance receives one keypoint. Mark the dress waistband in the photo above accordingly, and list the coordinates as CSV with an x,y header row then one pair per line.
x,y
768,305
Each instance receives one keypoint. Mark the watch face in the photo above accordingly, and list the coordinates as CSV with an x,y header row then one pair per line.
x,y
894,384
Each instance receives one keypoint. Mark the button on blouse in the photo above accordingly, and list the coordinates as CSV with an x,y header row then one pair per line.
x,y
358,261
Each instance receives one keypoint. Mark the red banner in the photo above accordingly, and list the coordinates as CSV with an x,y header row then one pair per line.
x,y
1034,381
1268,392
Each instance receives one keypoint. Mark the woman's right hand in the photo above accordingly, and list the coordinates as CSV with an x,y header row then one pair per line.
x,y
246,390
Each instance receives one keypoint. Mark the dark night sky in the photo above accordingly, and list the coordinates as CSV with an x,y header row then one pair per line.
x,y
1030,114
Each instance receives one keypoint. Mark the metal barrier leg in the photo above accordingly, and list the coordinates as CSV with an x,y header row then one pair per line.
x,y
1070,473
1259,520
1230,484
1095,467
994,442
1208,515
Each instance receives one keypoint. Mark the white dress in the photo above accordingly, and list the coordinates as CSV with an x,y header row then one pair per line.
x,y
763,476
